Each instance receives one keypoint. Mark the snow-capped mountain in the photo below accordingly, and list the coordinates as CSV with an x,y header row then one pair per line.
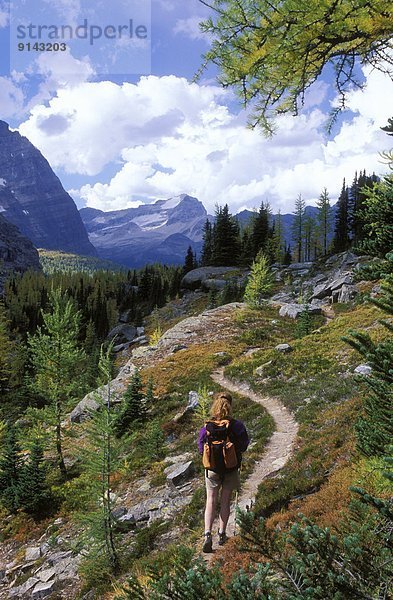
x,y
158,232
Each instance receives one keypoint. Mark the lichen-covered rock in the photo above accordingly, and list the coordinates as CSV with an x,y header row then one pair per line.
x,y
195,278
284,348
294,310
178,474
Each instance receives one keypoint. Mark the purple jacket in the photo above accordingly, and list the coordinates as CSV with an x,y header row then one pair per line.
x,y
239,432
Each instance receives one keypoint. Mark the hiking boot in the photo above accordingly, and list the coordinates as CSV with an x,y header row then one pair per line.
x,y
222,538
208,543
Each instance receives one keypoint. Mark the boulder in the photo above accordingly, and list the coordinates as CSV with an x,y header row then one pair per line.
x,y
21,590
194,279
84,408
347,293
284,348
177,475
346,279
122,333
216,285
294,310
32,553
42,590
363,370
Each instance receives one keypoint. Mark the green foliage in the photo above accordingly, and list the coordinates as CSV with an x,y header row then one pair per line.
x,y
10,465
190,261
56,358
304,324
341,240
133,411
55,262
260,282
152,443
271,51
298,227
324,220
377,217
34,493
5,350
101,461
375,427
202,411
225,239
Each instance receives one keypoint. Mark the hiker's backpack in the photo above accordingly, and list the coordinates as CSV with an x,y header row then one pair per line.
x,y
219,452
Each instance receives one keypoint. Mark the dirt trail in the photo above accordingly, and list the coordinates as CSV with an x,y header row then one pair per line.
x,y
277,451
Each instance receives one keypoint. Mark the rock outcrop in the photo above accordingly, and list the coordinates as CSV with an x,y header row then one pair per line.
x,y
33,199
17,253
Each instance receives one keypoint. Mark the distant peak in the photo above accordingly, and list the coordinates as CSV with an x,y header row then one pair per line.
x,y
4,127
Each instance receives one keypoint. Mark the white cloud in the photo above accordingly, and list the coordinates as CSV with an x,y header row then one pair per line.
x,y
190,28
4,15
11,98
170,136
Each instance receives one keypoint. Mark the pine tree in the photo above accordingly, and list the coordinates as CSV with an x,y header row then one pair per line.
x,y
278,239
101,459
226,239
324,219
298,227
309,240
377,218
34,492
189,261
10,465
357,199
261,229
341,241
5,350
207,250
375,428
132,410
55,356
260,282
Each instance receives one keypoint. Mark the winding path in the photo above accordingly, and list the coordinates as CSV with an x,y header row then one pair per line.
x,y
277,451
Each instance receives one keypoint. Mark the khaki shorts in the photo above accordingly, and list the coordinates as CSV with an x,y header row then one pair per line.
x,y
230,482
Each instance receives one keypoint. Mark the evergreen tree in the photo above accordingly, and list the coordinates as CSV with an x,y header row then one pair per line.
x,y
5,350
55,356
278,239
324,219
132,410
247,253
375,428
309,242
10,465
377,217
189,261
226,239
287,255
207,250
260,282
34,492
261,229
101,461
341,241
298,227
357,199
148,400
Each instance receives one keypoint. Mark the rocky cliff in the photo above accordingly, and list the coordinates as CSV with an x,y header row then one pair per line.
x,y
158,232
33,199
17,253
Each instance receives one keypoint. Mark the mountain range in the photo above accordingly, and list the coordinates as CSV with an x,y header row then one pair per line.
x,y
33,199
158,232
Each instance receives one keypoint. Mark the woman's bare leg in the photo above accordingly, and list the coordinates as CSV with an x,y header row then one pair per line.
x,y
225,507
211,501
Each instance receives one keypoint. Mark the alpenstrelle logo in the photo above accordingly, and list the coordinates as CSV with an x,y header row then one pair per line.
x,y
112,37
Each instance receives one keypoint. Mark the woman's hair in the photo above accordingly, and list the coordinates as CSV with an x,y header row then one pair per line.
x,y
222,406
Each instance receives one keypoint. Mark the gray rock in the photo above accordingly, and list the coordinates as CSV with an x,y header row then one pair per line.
x,y
140,331
321,291
42,590
340,281
260,370
126,371
143,352
193,399
118,512
44,549
181,473
128,520
194,279
213,285
284,348
22,590
363,370
124,316
47,574
347,293
294,310
84,408
122,333
32,553
58,558
121,347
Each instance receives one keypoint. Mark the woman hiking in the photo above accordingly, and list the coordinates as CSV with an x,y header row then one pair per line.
x,y
222,440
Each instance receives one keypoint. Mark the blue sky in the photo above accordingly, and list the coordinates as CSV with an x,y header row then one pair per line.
x,y
116,140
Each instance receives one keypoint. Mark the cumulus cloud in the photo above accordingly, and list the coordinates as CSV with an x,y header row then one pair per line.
x,y
190,28
11,98
171,136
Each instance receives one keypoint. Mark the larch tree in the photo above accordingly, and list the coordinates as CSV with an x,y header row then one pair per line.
x,y
298,227
324,219
56,356
272,51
